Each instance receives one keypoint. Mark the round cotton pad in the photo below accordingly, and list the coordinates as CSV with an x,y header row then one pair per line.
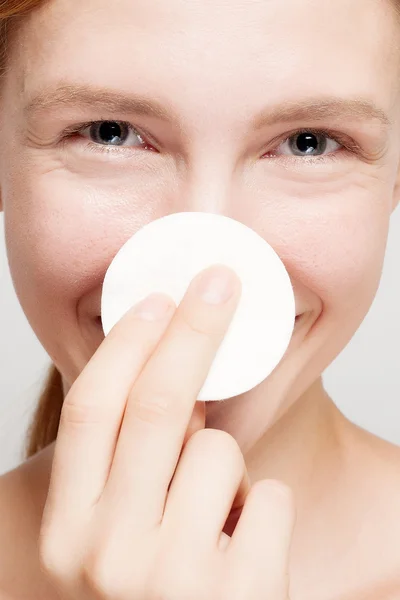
x,y
166,254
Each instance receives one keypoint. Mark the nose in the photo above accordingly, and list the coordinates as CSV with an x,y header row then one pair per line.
x,y
211,185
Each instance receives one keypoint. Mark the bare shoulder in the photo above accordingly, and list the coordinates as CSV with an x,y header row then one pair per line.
x,y
16,533
368,548
368,446
378,464
21,507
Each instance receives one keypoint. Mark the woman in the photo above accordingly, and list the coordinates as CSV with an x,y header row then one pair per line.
x,y
281,114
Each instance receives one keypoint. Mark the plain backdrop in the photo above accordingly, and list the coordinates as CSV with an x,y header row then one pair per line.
x,y
363,380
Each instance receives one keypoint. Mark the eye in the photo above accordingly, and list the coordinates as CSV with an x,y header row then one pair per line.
x,y
111,133
308,143
108,136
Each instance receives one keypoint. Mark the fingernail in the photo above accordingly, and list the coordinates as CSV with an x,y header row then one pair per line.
x,y
216,285
153,307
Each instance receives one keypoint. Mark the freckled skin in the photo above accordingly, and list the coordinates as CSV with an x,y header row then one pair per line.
x,y
68,210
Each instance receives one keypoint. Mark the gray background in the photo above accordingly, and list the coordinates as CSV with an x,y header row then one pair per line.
x,y
363,380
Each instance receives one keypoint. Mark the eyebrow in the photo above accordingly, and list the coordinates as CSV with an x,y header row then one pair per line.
x,y
318,109
106,100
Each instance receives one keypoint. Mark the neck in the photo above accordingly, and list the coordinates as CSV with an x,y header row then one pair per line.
x,y
299,447
302,447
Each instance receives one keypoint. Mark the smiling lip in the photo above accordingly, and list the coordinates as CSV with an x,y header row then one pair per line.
x,y
98,319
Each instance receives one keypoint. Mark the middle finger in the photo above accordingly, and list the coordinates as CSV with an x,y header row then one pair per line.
x,y
161,401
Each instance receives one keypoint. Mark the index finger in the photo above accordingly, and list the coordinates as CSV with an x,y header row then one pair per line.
x,y
93,410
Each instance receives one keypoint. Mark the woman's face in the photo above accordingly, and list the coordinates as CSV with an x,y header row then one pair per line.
x,y
215,95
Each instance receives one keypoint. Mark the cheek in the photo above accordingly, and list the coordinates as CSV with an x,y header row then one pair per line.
x,y
337,252
62,234
52,246
329,228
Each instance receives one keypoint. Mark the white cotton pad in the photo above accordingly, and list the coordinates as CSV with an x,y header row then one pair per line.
x,y
166,254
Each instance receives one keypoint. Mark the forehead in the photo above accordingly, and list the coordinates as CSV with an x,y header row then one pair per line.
x,y
206,51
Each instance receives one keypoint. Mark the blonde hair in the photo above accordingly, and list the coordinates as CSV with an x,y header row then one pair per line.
x,y
44,425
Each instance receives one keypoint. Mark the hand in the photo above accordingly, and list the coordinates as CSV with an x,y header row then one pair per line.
x,y
140,491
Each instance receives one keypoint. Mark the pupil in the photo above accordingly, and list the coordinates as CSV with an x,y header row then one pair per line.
x,y
307,142
109,130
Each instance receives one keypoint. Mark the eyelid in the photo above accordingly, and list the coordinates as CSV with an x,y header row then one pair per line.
x,y
78,128
344,140
338,137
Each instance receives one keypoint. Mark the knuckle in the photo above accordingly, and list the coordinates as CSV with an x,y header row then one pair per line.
x,y
201,327
96,574
151,407
52,558
76,414
103,575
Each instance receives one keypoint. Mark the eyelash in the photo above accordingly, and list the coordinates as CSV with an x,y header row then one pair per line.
x,y
350,147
